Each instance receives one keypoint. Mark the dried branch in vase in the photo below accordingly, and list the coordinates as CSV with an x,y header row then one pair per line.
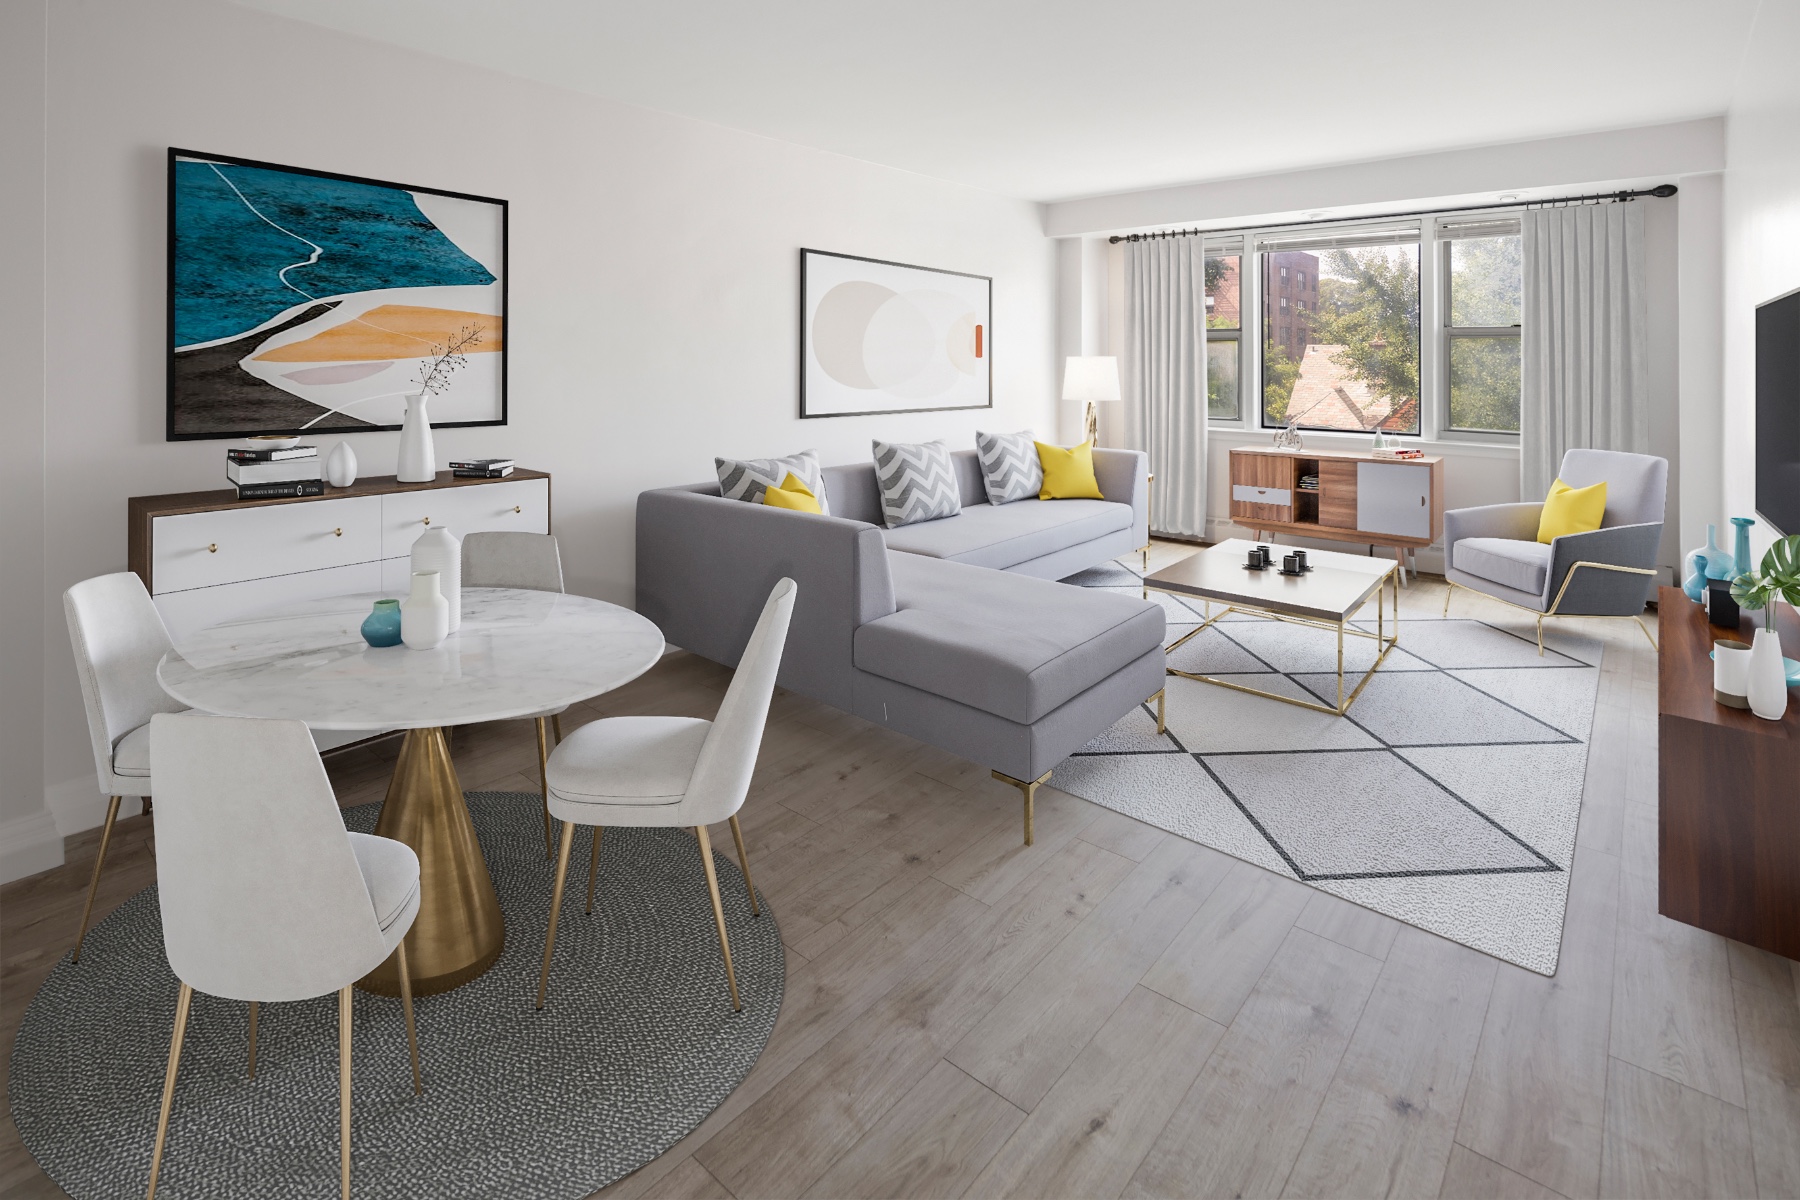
x,y
447,359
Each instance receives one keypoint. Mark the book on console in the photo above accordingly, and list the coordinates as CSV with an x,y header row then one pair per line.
x,y
483,464
236,454
273,472
293,489
497,473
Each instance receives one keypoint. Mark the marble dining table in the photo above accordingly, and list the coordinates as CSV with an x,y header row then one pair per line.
x,y
516,654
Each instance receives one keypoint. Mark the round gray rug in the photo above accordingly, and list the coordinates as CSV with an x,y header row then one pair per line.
x,y
635,1046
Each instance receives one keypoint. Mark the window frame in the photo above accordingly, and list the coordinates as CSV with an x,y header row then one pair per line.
x,y
1233,246
1447,332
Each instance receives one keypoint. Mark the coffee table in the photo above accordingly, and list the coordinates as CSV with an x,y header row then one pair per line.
x,y
1326,597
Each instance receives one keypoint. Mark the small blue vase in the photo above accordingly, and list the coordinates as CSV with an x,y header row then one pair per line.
x,y
382,626
1741,556
1719,565
1694,587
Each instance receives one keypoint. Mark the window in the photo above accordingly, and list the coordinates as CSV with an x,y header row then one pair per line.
x,y
1351,360
1483,279
1223,325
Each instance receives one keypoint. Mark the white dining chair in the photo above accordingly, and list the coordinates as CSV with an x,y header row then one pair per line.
x,y
118,638
529,561
265,896
671,772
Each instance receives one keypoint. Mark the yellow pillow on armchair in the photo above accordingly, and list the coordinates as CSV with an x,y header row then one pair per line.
x,y
1571,510
1068,474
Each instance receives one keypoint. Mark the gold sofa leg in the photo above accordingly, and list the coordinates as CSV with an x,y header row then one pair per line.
x,y
1161,700
1030,792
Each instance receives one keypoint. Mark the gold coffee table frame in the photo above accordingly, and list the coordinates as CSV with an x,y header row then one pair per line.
x,y
1377,589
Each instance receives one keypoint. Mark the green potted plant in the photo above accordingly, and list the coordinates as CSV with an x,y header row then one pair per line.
x,y
1778,578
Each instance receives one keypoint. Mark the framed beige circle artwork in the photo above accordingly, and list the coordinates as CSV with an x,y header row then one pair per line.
x,y
887,337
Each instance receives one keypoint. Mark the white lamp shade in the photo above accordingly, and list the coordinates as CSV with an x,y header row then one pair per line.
x,y
1094,379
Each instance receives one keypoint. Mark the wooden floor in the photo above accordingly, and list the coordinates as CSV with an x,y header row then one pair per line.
x,y
1117,1011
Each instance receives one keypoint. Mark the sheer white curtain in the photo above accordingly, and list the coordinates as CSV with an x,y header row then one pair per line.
x,y
1586,350
1165,376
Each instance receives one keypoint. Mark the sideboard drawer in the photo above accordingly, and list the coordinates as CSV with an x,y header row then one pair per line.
x,y
522,505
204,549
1247,493
195,609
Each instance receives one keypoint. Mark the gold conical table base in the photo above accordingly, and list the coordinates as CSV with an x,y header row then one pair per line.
x,y
459,932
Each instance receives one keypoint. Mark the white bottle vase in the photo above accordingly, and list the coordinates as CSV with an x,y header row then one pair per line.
x,y
340,465
438,551
424,617
418,458
1768,693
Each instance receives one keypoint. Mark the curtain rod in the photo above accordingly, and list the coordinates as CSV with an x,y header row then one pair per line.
x,y
1661,191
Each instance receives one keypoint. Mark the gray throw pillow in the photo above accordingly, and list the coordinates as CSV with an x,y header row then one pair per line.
x,y
747,479
1010,468
917,483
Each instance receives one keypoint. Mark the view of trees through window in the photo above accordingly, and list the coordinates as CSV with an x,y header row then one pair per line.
x,y
1486,304
1223,325
1341,338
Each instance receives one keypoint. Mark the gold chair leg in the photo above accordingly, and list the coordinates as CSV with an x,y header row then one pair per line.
x,y
593,868
254,1009
1448,588
1646,629
345,1007
412,1033
1540,632
556,725
544,787
182,1003
712,886
737,835
1030,792
112,815
562,875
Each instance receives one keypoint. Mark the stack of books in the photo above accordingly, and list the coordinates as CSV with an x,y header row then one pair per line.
x,y
275,474
482,468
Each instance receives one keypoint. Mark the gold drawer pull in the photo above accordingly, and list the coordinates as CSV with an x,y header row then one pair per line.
x,y
339,531
427,520
517,509
212,547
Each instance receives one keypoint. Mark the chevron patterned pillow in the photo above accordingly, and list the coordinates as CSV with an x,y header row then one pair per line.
x,y
748,479
917,483
1010,468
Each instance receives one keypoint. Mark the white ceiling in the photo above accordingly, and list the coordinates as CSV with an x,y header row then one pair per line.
x,y
1053,99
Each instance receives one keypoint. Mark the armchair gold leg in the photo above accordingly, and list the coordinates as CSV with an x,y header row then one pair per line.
x,y
712,887
254,1008
1647,634
593,869
87,911
1448,588
345,1007
1540,635
556,726
562,875
544,786
737,835
412,1032
182,1003
1029,791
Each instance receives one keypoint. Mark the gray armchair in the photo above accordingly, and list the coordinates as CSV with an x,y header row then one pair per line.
x,y
1607,572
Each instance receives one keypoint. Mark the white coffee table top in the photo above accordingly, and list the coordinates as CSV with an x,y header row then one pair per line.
x,y
517,653
1337,586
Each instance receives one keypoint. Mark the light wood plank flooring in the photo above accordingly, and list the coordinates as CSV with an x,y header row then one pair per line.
x,y
1116,1011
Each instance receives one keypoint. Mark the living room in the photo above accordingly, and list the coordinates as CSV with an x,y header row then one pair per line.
x,y
1066,847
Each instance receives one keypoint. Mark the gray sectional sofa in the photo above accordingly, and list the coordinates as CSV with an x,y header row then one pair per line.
x,y
951,631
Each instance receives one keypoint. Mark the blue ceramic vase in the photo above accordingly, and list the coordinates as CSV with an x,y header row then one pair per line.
x,y
382,626
1741,562
1708,562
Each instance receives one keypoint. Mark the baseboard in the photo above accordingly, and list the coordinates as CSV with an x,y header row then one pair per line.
x,y
76,805
32,844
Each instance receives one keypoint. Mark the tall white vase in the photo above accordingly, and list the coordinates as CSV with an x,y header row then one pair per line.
x,y
438,551
418,458
424,617
1768,693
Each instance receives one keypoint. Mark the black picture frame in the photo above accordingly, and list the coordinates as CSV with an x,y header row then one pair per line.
x,y
173,398
985,332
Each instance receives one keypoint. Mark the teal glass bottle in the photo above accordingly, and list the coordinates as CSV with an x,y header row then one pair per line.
x,y
382,626
1719,565
1742,563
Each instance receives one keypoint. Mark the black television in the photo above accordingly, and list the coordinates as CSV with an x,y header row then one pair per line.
x,y
1778,413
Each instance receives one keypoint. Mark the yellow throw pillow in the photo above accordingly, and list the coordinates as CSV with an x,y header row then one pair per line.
x,y
1571,510
1068,474
793,493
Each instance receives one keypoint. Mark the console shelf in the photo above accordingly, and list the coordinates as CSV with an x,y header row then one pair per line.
x,y
1397,503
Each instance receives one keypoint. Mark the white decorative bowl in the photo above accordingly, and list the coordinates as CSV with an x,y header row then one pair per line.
x,y
271,442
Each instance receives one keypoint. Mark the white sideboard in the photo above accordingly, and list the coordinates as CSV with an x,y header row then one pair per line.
x,y
208,557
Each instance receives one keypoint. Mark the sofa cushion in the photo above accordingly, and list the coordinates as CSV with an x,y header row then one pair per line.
x,y
1519,565
1007,644
918,482
1005,535
748,478
1010,468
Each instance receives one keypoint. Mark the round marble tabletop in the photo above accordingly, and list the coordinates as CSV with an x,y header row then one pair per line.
x,y
517,653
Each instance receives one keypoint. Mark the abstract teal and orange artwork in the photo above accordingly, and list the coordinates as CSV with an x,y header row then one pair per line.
x,y
303,301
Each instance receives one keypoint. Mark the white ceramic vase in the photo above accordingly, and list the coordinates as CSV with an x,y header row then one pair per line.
x,y
1767,692
340,465
418,458
1731,673
424,616
437,551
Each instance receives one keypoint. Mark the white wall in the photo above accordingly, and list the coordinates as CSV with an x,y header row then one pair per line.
x,y
1762,232
654,279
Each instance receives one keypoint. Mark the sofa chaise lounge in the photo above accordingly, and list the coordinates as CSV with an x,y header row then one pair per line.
x,y
951,631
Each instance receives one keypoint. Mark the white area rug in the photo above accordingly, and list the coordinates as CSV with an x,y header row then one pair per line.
x,y
1447,798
